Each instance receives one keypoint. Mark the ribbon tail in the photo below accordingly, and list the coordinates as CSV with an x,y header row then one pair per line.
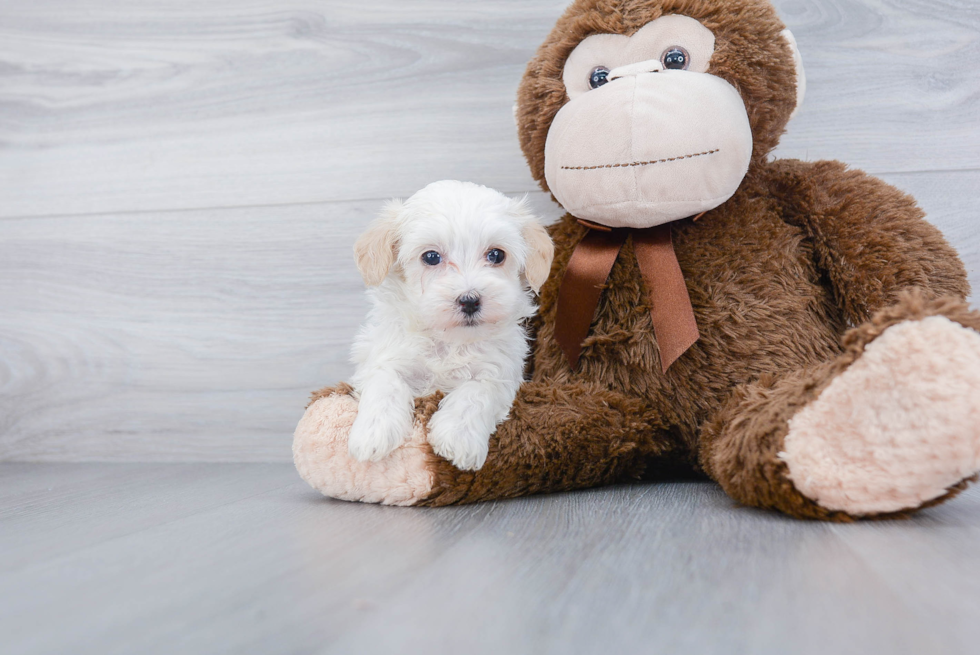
x,y
581,287
673,317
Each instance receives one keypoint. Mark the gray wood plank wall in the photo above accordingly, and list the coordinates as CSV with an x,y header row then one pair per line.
x,y
181,182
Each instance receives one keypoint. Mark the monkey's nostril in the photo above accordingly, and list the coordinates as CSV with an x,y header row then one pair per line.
x,y
469,303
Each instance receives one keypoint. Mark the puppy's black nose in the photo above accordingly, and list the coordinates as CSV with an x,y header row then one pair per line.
x,y
469,303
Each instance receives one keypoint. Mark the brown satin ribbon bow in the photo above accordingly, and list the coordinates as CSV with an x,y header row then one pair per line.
x,y
589,268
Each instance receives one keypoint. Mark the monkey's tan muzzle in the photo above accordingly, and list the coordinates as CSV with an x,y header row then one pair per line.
x,y
649,147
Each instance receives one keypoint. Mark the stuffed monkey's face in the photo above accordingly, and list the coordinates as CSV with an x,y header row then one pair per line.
x,y
648,135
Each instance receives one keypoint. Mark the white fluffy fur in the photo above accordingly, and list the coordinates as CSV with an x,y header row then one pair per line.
x,y
417,340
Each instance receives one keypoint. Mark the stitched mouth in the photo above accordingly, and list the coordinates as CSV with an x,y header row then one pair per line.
x,y
641,163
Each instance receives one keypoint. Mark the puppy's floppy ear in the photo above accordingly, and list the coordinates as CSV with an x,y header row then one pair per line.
x,y
375,250
540,253
540,249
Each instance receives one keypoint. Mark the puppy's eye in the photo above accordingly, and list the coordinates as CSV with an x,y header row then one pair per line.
x,y
675,58
431,258
496,256
598,76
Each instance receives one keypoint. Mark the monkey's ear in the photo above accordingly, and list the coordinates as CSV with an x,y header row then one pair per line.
x,y
376,249
800,73
540,252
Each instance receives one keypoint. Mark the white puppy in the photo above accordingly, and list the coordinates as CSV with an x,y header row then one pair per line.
x,y
451,273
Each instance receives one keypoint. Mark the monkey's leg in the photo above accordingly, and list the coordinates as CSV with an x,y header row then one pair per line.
x,y
557,438
889,427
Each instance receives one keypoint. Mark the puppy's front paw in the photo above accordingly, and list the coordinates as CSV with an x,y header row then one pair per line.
x,y
378,431
458,440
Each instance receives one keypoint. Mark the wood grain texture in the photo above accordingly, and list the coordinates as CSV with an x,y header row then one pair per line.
x,y
181,183
218,558
892,84
230,103
194,335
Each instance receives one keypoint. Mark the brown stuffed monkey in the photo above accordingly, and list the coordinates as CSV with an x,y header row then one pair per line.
x,y
795,331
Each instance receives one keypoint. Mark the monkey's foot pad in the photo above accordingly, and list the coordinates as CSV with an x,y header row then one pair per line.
x,y
405,477
898,428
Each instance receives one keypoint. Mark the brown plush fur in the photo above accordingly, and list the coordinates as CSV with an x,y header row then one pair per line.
x,y
742,442
774,331
789,280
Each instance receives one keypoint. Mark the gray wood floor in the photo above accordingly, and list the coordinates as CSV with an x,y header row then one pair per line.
x,y
180,186
238,558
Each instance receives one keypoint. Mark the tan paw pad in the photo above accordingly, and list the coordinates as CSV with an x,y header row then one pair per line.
x,y
321,457
898,428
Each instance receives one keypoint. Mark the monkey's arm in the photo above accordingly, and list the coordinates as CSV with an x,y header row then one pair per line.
x,y
871,239
558,437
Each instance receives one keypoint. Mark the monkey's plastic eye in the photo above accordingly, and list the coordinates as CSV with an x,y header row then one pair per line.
x,y
598,76
675,58
431,258
496,256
